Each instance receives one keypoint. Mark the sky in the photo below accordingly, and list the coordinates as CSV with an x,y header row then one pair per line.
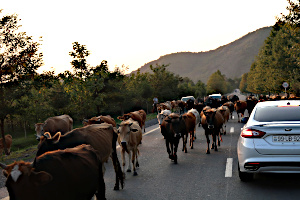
x,y
135,32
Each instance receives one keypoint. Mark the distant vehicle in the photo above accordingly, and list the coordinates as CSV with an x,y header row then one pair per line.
x,y
270,140
185,99
216,96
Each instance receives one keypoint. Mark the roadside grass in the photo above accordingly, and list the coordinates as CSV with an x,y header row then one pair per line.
x,y
26,147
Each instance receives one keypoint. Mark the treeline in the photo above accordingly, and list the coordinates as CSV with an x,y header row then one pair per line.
x,y
279,59
27,97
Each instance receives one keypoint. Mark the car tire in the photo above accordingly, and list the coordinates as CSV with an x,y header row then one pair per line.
x,y
244,176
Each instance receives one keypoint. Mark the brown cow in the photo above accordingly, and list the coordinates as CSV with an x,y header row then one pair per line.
x,y
62,123
74,173
99,120
230,105
8,142
173,128
225,113
240,107
130,136
144,117
102,137
191,119
136,116
212,122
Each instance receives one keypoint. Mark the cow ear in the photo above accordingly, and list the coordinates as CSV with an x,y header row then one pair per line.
x,y
40,178
56,137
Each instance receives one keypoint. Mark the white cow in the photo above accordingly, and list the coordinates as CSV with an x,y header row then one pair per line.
x,y
197,115
162,115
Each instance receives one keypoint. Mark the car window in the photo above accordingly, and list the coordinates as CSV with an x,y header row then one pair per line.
x,y
274,113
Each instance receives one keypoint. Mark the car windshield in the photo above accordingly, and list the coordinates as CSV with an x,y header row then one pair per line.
x,y
215,97
277,113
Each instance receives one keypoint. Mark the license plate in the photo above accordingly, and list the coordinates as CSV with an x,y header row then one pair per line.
x,y
286,138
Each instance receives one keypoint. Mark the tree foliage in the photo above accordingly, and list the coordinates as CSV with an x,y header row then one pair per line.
x,y
216,83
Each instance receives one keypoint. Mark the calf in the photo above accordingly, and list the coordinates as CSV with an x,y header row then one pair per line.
x,y
102,137
212,122
62,123
74,173
130,136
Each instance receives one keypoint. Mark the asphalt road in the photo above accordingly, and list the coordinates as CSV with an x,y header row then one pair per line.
x,y
197,175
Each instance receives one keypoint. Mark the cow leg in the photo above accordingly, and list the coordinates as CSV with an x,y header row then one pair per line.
x,y
175,150
184,141
100,194
208,141
168,149
224,130
118,171
192,139
214,141
133,160
129,163
123,161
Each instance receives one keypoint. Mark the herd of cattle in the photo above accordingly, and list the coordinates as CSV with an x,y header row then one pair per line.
x,y
69,162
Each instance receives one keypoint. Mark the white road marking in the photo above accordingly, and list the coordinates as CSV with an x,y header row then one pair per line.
x,y
231,129
228,171
151,131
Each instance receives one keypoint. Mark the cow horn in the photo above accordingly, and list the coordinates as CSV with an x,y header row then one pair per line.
x,y
3,166
85,120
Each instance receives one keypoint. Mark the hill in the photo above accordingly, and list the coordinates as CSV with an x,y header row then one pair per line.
x,y
233,59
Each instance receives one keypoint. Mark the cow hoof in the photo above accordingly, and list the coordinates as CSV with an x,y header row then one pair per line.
x,y
171,157
116,187
192,147
137,164
207,152
216,149
225,133
128,170
135,174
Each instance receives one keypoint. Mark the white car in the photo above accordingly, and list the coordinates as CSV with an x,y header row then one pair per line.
x,y
270,140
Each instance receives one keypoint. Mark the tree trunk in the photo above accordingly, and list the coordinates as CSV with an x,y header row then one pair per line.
x,y
3,136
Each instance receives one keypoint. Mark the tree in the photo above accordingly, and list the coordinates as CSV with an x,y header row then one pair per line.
x,y
19,59
200,90
216,83
243,83
164,83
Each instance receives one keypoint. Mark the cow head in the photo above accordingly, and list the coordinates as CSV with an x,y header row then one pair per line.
x,y
210,118
22,181
39,129
162,115
125,136
48,144
175,123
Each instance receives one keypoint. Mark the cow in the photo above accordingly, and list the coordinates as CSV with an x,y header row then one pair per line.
x,y
191,119
160,116
74,173
230,105
144,117
62,123
102,137
212,121
240,107
129,137
8,142
173,128
233,98
251,102
136,116
190,104
181,105
225,113
99,120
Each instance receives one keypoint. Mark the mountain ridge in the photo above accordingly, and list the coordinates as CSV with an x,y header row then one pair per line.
x,y
233,59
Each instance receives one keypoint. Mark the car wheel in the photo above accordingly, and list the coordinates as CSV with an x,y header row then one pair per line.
x,y
244,176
